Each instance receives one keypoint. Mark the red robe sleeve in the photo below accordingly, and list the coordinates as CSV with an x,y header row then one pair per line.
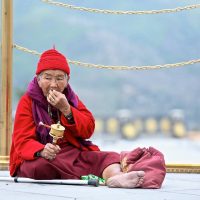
x,y
24,136
84,123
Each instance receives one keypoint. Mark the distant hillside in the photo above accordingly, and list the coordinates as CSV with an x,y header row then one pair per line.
x,y
116,40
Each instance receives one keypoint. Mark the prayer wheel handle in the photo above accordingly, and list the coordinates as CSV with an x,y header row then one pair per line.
x,y
56,131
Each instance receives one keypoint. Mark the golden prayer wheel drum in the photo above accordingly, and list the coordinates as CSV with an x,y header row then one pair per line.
x,y
57,131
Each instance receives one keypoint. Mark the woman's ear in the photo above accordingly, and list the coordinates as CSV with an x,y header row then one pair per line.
x,y
38,80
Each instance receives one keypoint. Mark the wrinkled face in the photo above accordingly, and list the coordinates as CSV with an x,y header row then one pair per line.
x,y
52,79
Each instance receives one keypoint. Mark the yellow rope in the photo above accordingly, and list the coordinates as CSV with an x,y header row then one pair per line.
x,y
120,12
90,65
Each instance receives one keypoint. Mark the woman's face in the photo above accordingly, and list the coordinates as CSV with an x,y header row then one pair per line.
x,y
52,79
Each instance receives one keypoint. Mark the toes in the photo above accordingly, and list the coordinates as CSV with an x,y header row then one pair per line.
x,y
139,183
141,173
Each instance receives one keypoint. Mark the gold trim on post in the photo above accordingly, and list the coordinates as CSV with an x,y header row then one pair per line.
x,y
4,161
6,81
183,168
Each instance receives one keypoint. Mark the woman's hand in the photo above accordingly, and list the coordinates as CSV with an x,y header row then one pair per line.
x,y
49,152
58,100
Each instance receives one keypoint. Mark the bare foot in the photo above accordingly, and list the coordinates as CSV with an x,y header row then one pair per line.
x,y
126,180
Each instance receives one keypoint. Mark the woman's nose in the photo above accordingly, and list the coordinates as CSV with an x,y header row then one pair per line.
x,y
53,83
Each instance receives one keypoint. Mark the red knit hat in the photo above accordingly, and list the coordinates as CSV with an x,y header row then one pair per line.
x,y
52,59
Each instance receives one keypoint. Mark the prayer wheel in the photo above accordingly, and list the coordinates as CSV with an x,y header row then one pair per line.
x,y
57,131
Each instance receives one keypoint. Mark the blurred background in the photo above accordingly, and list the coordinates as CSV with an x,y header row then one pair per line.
x,y
158,108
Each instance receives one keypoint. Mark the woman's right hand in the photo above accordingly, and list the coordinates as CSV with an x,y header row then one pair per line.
x,y
49,152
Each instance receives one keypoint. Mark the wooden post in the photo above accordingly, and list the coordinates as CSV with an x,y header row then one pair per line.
x,y
6,83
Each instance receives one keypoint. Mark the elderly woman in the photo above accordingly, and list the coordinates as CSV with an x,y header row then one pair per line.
x,y
50,99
